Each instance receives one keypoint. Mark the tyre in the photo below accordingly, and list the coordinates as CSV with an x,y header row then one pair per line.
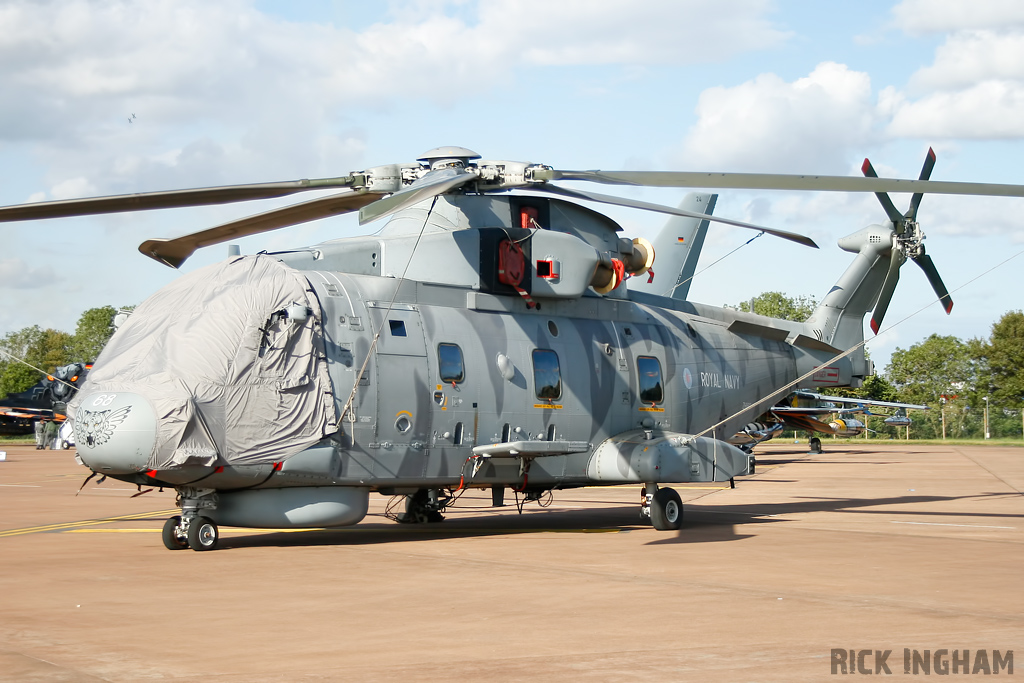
x,y
203,534
815,445
666,510
172,541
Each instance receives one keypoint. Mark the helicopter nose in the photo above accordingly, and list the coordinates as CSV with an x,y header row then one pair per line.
x,y
115,432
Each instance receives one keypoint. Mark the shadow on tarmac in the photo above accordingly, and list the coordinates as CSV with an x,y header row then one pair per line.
x,y
702,524
760,513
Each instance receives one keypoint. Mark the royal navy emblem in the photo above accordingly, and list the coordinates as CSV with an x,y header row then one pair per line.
x,y
95,427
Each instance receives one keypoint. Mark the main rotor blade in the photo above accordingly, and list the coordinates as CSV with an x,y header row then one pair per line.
x,y
632,203
169,199
890,209
174,252
773,181
926,173
925,261
888,287
430,185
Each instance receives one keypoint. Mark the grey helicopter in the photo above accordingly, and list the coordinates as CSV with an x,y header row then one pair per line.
x,y
494,334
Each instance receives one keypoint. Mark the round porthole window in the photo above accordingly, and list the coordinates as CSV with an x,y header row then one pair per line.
x,y
402,424
552,328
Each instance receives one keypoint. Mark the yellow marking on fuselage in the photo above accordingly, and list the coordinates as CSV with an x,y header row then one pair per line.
x,y
554,406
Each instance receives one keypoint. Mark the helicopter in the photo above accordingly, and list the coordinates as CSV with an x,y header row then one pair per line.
x,y
486,337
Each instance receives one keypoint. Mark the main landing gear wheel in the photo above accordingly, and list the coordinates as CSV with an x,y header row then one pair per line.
x,y
421,508
172,541
203,534
666,510
815,445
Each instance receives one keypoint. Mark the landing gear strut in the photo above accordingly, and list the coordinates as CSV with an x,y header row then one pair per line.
x,y
172,536
190,529
663,506
424,506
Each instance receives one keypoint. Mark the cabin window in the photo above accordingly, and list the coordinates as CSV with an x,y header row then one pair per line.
x,y
449,363
397,328
648,370
547,378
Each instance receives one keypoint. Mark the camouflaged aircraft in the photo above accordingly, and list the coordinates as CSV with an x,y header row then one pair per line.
x,y
804,410
493,334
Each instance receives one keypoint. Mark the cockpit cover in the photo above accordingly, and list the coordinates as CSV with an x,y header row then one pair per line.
x,y
231,378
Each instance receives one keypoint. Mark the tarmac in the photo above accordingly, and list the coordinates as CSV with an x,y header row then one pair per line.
x,y
880,546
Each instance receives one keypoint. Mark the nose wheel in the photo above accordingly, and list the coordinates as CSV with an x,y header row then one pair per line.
x,y
173,537
199,533
203,534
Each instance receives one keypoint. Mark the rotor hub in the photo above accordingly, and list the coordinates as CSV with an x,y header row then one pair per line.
x,y
448,157
910,241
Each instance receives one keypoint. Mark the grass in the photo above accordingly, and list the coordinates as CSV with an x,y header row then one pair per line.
x,y
860,441
18,440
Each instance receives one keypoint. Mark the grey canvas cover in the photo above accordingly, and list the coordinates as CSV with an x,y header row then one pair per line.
x,y
230,381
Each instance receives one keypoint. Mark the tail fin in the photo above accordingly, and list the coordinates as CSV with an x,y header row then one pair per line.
x,y
870,280
839,318
677,249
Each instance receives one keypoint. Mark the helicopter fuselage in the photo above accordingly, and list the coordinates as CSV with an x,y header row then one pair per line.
x,y
279,390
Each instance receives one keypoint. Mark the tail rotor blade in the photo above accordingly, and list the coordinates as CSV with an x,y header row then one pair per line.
x,y
925,261
926,173
888,287
890,209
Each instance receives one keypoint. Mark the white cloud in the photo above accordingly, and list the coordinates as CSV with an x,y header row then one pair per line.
x,y
968,57
974,87
990,110
917,17
768,124
570,32
16,274
225,93
72,188
975,217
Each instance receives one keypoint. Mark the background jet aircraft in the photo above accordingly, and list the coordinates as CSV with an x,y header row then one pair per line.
x,y
802,410
47,400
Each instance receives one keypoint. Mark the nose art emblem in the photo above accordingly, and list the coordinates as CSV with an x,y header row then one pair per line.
x,y
95,427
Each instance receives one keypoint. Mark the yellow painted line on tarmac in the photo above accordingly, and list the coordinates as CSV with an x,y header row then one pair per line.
x,y
111,531
222,530
708,488
637,486
431,530
87,522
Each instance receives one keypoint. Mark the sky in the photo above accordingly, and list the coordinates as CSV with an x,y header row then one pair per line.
x,y
110,97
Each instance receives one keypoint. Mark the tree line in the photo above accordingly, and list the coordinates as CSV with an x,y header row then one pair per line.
x,y
958,379
48,349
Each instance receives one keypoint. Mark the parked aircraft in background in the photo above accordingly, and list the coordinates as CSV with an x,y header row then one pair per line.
x,y
804,410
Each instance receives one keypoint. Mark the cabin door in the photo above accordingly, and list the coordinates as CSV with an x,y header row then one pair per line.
x,y
403,392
